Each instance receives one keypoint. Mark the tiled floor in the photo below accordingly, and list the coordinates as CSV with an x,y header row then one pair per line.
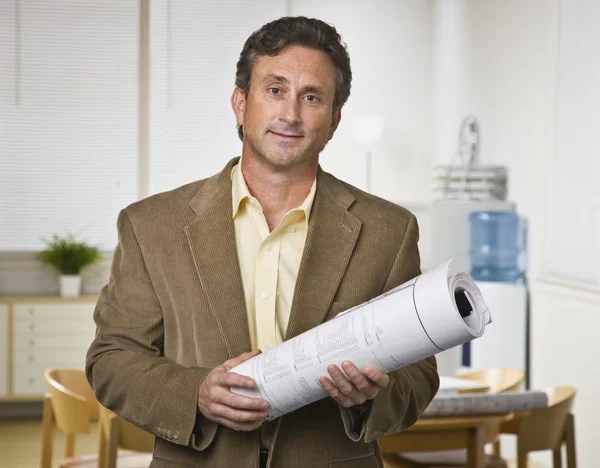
x,y
20,444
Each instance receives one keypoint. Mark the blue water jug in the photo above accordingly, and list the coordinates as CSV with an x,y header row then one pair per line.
x,y
497,246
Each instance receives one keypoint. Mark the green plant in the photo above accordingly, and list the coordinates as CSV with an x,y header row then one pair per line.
x,y
68,255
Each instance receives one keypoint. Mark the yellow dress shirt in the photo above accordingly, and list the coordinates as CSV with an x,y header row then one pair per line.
x,y
269,261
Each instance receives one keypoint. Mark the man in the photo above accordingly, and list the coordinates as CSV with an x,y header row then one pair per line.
x,y
267,249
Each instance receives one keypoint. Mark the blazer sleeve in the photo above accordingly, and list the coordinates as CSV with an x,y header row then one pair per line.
x,y
125,365
411,388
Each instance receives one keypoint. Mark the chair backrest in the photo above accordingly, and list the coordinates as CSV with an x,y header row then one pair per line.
x,y
543,429
70,405
73,402
117,433
498,379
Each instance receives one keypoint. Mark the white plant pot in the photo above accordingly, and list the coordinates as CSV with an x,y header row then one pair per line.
x,y
70,285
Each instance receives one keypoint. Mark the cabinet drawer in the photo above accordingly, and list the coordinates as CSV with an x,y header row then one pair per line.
x,y
64,328
45,342
29,381
49,312
54,358
3,350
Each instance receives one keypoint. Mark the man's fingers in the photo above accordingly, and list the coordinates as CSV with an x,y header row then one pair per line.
x,y
242,402
380,379
231,379
362,383
236,361
238,426
340,380
334,392
237,415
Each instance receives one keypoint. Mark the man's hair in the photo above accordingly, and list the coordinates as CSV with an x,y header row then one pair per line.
x,y
299,30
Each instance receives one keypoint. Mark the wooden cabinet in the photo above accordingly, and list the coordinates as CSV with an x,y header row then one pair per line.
x,y
43,333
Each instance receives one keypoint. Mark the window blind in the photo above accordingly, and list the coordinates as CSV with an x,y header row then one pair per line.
x,y
194,48
68,119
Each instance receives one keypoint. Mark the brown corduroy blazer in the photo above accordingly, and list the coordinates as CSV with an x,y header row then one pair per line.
x,y
174,308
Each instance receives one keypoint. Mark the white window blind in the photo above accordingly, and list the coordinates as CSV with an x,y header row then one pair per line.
x,y
574,228
194,50
68,119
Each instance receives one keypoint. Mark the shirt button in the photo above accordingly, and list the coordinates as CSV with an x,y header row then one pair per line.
x,y
293,230
269,248
265,295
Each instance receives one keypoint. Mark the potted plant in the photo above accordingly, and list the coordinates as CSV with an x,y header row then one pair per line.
x,y
69,257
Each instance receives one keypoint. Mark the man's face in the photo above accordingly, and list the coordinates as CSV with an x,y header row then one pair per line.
x,y
288,114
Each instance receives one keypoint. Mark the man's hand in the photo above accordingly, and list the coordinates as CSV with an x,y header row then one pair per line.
x,y
356,390
218,403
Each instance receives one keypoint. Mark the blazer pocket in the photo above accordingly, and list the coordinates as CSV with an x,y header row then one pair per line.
x,y
368,461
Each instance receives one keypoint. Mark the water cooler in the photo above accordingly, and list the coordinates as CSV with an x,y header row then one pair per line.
x,y
498,265
471,221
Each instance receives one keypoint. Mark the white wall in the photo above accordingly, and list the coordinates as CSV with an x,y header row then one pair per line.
x,y
498,60
389,42
564,334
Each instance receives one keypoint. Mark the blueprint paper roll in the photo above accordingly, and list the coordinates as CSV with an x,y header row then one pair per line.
x,y
440,314
413,321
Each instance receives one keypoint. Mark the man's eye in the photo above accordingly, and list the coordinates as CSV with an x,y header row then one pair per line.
x,y
275,91
311,98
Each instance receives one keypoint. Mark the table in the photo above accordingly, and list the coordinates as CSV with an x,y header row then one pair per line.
x,y
458,385
430,434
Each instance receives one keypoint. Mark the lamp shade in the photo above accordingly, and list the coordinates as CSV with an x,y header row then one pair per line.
x,y
369,130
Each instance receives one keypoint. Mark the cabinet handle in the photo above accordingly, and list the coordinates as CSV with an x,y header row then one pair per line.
x,y
31,342
31,358
31,326
31,380
31,311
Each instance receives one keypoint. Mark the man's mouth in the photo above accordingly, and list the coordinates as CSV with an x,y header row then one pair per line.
x,y
287,135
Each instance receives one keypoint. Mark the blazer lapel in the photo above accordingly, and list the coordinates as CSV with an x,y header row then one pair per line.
x,y
211,238
332,234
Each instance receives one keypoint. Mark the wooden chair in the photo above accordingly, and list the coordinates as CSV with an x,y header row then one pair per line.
x,y
498,379
116,433
71,406
547,429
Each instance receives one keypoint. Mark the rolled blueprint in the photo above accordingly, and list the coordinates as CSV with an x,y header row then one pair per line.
x,y
431,313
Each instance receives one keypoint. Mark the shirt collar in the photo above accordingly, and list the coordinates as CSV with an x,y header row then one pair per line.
x,y
240,192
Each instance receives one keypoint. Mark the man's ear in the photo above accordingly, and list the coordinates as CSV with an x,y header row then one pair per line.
x,y
238,104
335,121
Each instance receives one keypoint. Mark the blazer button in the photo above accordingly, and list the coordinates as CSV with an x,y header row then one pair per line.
x,y
169,434
159,431
176,435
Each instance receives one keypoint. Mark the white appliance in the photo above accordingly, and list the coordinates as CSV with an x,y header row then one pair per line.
x,y
445,234
459,189
504,343
450,228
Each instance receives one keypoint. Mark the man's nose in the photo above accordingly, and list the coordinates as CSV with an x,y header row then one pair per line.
x,y
290,110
